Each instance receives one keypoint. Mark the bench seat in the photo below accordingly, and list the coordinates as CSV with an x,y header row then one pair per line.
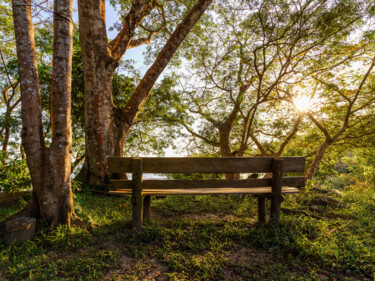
x,y
208,191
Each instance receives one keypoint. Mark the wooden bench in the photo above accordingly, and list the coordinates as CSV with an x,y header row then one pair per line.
x,y
263,188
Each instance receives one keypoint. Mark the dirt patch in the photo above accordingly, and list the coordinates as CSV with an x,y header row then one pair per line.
x,y
242,254
110,244
240,258
142,269
246,263
210,217
155,215
2,276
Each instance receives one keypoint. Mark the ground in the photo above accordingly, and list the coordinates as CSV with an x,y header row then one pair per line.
x,y
325,234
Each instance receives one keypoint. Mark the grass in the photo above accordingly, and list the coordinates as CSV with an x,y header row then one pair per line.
x,y
205,238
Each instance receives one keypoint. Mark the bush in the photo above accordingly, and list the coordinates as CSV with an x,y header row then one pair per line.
x,y
14,176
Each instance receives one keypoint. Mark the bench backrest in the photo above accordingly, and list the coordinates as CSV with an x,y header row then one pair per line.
x,y
170,165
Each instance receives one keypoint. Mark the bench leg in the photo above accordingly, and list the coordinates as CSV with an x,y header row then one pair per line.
x,y
276,210
261,209
137,209
277,178
147,208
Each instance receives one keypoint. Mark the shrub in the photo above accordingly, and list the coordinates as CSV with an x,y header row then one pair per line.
x,y
14,176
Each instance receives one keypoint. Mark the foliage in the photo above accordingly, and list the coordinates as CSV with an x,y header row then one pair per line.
x,y
361,164
244,60
14,176
157,125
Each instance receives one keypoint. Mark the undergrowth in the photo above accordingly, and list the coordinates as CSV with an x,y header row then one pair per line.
x,y
205,238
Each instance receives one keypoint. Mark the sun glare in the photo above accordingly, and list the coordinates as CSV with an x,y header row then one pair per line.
x,y
302,103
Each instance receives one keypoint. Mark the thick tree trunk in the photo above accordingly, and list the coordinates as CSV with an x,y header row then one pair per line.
x,y
100,130
318,157
60,151
49,167
106,126
99,68
225,130
225,150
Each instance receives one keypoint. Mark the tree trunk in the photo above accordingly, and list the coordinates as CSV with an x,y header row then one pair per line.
x,y
49,167
5,143
98,68
60,151
106,126
5,127
225,150
318,157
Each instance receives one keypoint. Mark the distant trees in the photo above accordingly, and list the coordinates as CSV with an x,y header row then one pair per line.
x,y
349,110
9,82
255,59
11,100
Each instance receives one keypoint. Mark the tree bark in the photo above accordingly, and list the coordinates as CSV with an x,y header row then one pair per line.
x,y
49,166
60,151
106,126
225,129
318,157
225,150
99,67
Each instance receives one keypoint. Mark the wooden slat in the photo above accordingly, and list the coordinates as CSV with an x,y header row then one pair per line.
x,y
206,165
294,181
206,191
191,184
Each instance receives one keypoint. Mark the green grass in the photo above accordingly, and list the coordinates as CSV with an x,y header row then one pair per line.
x,y
204,238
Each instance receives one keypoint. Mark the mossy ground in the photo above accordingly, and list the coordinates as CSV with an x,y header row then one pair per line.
x,y
205,238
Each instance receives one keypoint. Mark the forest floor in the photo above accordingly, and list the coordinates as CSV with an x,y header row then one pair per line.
x,y
325,234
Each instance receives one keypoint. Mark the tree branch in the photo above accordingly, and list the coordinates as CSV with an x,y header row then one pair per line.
x,y
206,140
140,95
138,11
291,135
138,42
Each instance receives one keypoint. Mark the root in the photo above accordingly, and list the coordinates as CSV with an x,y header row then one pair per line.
x,y
76,221
326,191
325,201
30,210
